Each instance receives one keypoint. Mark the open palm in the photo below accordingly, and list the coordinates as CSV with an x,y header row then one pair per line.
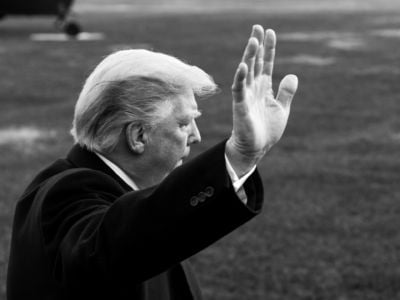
x,y
259,119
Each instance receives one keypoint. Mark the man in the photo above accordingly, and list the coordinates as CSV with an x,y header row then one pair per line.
x,y
117,217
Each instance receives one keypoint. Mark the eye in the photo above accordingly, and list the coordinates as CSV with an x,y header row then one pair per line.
x,y
183,125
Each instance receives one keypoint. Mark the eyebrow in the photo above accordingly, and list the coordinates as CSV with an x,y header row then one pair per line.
x,y
195,114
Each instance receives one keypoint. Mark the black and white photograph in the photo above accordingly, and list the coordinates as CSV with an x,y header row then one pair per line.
x,y
199,149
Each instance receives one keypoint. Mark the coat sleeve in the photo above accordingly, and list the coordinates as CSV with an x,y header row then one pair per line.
x,y
91,228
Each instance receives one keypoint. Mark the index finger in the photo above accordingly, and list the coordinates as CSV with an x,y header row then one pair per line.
x,y
269,48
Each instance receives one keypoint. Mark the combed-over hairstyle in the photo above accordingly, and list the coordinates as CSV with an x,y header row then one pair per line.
x,y
128,86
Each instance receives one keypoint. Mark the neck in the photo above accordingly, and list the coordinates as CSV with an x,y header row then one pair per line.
x,y
136,167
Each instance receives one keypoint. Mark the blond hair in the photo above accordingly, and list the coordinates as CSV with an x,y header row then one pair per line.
x,y
128,86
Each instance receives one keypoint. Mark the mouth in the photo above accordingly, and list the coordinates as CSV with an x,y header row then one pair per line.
x,y
183,158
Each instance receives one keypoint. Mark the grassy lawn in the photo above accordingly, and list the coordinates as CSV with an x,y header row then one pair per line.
x,y
329,229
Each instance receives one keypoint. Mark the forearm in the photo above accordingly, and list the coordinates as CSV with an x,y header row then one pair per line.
x,y
130,233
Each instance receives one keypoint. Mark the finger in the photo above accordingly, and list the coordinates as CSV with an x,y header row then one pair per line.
x,y
259,61
249,58
287,89
269,46
258,33
239,83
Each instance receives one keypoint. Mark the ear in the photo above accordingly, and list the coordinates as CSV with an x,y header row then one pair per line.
x,y
136,138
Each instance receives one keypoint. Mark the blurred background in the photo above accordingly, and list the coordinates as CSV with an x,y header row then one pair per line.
x,y
330,224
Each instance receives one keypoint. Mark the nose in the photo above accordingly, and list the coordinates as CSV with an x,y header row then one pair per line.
x,y
194,136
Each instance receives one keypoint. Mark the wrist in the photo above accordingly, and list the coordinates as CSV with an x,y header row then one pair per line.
x,y
241,162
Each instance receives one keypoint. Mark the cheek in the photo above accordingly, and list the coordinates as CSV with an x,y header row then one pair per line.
x,y
179,142
172,144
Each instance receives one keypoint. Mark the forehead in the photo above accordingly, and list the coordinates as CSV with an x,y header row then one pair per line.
x,y
185,105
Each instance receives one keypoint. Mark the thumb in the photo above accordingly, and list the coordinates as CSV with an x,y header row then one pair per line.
x,y
287,89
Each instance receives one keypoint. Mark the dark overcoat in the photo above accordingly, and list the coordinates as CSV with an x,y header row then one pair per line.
x,y
80,232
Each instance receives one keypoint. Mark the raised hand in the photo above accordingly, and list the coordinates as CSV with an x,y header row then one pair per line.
x,y
259,119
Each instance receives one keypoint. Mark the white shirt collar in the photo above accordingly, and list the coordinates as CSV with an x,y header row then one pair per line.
x,y
120,173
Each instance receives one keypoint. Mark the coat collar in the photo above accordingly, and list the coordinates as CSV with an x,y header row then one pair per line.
x,y
81,157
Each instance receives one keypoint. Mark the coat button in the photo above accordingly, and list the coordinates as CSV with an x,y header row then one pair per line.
x,y
209,191
202,197
194,201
